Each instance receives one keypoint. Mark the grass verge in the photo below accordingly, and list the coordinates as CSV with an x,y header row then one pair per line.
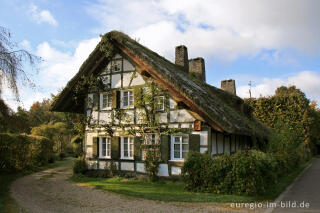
x,y
174,191
7,203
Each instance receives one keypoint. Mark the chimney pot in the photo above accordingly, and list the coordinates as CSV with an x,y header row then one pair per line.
x,y
197,67
182,57
229,86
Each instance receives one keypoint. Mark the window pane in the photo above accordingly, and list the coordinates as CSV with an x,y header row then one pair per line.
x,y
176,147
130,98
125,147
177,154
177,139
131,149
104,147
108,147
125,99
109,101
185,139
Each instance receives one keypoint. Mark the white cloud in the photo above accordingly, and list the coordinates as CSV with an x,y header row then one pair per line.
x,y
223,29
307,81
41,16
59,67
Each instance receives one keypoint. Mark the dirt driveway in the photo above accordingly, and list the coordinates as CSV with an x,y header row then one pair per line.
x,y
50,191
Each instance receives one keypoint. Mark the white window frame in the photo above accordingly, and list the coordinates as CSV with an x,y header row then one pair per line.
x,y
155,139
181,142
109,101
130,148
130,99
108,148
160,102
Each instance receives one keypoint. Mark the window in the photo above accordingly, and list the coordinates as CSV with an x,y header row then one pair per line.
x,y
149,139
127,99
106,101
126,147
160,103
105,147
116,66
179,147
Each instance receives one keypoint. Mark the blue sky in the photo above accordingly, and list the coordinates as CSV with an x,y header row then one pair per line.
x,y
268,42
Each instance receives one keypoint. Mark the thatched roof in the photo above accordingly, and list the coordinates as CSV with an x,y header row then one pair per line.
x,y
219,109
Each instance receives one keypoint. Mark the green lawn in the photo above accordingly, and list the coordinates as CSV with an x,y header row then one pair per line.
x,y
7,204
174,191
161,190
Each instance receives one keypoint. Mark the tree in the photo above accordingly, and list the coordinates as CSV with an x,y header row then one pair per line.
x,y
12,60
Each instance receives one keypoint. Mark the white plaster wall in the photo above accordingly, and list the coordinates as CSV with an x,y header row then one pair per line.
x,y
173,103
162,117
127,166
203,137
183,125
94,117
105,118
127,66
175,170
163,170
117,56
126,79
116,81
89,138
180,115
102,164
140,167
203,149
92,164
129,119
89,152
173,126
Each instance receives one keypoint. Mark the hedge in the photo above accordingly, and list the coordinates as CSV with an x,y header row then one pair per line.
x,y
245,172
20,152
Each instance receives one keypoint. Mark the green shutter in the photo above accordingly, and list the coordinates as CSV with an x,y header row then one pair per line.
x,y
95,101
95,147
118,99
115,148
194,142
137,150
165,148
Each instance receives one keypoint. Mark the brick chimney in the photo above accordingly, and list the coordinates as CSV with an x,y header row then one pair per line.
x,y
229,86
196,66
182,57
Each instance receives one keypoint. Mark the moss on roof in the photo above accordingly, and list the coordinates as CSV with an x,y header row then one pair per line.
x,y
220,106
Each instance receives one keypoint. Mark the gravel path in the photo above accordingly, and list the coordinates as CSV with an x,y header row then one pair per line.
x,y
49,191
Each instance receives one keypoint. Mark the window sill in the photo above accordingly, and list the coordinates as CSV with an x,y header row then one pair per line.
x,y
176,160
104,157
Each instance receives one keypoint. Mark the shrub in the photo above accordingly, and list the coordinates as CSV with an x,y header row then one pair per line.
x,y
79,166
252,171
20,152
246,172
